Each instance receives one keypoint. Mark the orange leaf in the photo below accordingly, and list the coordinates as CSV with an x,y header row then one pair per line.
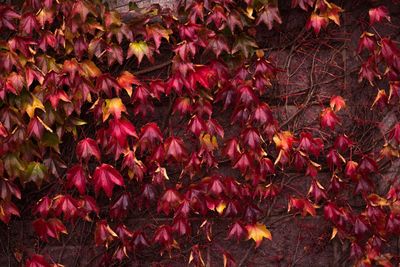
x,y
257,232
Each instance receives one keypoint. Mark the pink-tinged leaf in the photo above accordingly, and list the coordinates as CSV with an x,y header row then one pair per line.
x,y
329,118
237,231
268,15
234,20
8,17
218,44
317,22
389,51
337,103
29,23
87,148
43,206
367,41
76,177
377,14
395,133
304,4
114,53
218,17
105,177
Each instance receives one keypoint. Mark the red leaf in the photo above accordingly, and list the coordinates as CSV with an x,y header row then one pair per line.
x,y
120,208
43,206
170,200
337,103
103,234
105,177
67,205
174,148
37,260
377,14
244,163
237,231
150,134
76,177
367,41
329,118
87,148
7,209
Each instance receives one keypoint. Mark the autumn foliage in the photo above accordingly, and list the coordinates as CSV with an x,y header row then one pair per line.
x,y
84,134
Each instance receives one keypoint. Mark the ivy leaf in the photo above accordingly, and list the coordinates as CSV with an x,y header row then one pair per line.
x,y
218,44
304,4
157,32
245,44
126,80
337,103
36,104
258,232
103,234
37,260
76,177
35,172
333,13
105,177
377,14
268,15
174,148
329,118
140,49
237,230
87,148
317,22
67,205
7,209
7,17
113,106
29,23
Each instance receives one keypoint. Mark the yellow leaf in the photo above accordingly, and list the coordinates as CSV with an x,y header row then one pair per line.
x,y
221,207
36,103
334,233
208,141
257,232
283,140
376,200
113,106
90,69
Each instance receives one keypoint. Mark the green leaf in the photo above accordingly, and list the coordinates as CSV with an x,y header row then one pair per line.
x,y
36,172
